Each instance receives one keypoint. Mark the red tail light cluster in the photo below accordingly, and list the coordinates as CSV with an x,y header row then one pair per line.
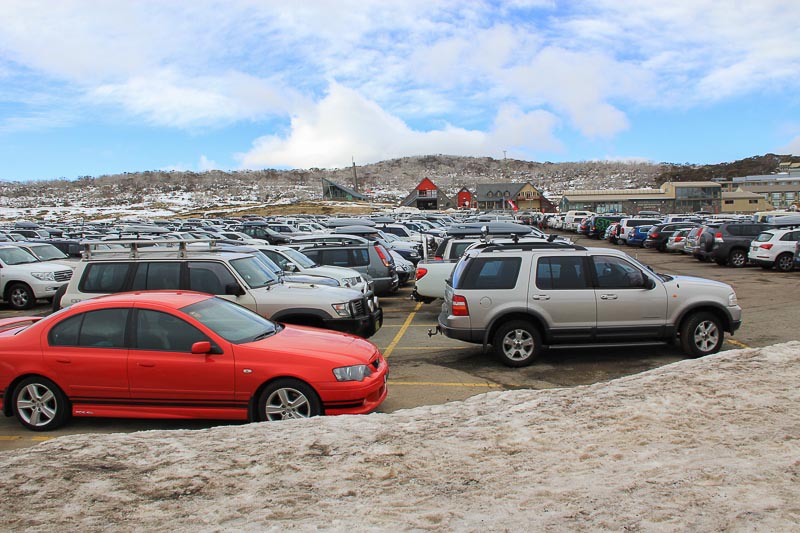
x,y
767,246
421,272
460,307
382,256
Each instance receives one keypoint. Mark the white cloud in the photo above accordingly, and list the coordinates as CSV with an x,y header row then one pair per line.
x,y
207,164
345,125
793,147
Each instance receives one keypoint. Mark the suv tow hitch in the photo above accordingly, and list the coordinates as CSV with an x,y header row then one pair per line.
x,y
434,331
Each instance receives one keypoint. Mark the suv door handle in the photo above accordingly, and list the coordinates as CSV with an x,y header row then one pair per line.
x,y
540,297
608,296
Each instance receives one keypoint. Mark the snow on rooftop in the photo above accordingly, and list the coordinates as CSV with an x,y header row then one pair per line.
x,y
703,445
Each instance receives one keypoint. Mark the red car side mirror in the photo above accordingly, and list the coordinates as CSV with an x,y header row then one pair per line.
x,y
201,347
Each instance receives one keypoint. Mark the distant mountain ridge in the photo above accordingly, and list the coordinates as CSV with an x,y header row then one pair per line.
x,y
386,181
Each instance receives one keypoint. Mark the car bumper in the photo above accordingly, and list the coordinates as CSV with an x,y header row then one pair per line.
x,y
350,398
363,326
474,336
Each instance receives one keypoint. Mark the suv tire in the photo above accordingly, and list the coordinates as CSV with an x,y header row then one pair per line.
x,y
737,258
19,296
701,334
785,262
58,297
517,343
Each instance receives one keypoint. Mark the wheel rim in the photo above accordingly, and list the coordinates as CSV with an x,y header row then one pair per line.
x,y
37,405
518,345
287,403
706,336
785,263
19,297
738,259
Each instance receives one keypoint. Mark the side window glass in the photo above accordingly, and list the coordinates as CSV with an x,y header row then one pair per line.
x,y
277,258
360,257
103,329
164,332
561,273
155,276
337,257
65,333
105,278
209,277
312,254
616,273
492,273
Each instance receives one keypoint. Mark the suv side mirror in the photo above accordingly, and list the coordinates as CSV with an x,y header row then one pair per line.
x,y
234,289
291,267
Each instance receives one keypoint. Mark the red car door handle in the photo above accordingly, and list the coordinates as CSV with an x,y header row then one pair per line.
x,y
146,364
65,361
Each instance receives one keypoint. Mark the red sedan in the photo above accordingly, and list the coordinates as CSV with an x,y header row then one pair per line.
x,y
167,354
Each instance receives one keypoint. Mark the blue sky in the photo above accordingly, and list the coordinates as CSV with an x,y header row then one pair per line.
x,y
97,87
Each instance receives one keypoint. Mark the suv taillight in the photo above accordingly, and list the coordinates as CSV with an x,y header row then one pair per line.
x,y
460,307
382,256
421,273
653,235
718,237
767,246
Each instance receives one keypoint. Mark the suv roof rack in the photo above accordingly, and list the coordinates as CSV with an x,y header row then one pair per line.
x,y
477,229
175,247
554,245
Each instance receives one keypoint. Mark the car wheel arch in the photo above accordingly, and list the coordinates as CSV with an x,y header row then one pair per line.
x,y
9,392
252,405
718,312
535,319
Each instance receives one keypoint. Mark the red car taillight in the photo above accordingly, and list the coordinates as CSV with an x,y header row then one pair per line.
x,y
382,256
421,272
653,235
438,258
767,246
460,307
718,237
678,239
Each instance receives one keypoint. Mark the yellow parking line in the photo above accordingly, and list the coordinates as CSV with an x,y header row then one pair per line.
x,y
432,349
9,437
437,384
402,331
736,343
41,438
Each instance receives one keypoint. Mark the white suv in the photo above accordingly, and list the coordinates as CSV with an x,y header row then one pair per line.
x,y
774,248
24,279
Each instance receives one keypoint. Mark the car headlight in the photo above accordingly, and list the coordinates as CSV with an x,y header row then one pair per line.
x,y
732,299
342,309
352,373
44,276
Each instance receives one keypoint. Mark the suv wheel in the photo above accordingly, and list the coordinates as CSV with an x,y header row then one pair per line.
x,y
20,296
701,334
737,258
517,343
785,262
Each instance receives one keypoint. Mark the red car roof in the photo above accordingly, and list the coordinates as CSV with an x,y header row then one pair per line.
x,y
173,299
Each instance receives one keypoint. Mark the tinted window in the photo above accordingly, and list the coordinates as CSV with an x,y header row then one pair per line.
x,y
616,273
95,329
105,278
65,333
561,273
491,273
157,276
336,257
209,277
277,258
165,332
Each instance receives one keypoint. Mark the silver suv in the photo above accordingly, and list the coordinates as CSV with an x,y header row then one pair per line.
x,y
521,297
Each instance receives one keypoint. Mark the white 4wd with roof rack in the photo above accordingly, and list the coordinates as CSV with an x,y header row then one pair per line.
x,y
521,297
24,279
239,277
775,248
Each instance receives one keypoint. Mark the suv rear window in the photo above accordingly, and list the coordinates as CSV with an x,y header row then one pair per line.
x,y
488,273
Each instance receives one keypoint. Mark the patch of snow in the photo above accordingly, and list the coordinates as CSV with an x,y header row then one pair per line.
x,y
702,445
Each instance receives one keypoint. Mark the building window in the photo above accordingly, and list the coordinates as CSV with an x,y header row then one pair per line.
x,y
728,202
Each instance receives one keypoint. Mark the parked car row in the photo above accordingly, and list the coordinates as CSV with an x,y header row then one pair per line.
x,y
725,241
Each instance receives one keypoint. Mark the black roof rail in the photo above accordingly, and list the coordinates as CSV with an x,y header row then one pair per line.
x,y
492,246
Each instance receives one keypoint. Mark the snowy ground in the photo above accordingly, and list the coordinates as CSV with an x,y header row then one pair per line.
x,y
700,445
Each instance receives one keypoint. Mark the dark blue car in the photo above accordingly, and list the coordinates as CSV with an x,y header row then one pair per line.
x,y
638,235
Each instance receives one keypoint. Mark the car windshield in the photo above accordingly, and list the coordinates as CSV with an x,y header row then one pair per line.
x,y
16,256
48,252
254,272
232,322
299,258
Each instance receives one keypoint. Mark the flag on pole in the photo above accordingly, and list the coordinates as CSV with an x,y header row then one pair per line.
x,y
512,204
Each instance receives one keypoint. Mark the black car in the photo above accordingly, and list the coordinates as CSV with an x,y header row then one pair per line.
x,y
732,242
597,225
659,234
261,230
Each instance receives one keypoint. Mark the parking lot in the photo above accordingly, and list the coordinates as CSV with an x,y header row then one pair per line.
x,y
434,370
